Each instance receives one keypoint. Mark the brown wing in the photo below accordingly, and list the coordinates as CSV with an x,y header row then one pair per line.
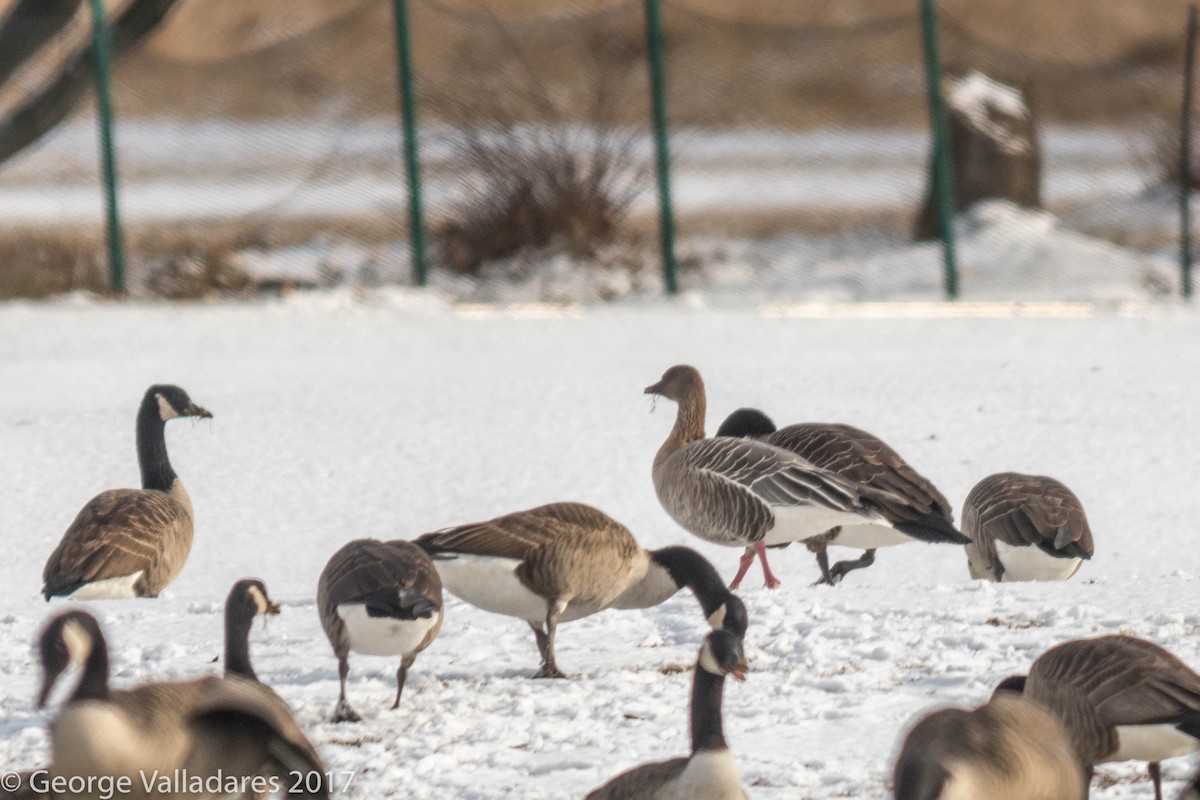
x,y
867,461
1129,681
118,533
640,782
518,534
1027,510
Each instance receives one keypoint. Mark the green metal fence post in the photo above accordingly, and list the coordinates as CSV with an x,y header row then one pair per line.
x,y
662,150
942,169
1185,156
103,58
412,161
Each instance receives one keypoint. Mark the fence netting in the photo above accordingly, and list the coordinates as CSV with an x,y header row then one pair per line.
x,y
259,148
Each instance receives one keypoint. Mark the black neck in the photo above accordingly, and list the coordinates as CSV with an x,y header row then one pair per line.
x,y
237,647
707,733
690,570
152,447
94,683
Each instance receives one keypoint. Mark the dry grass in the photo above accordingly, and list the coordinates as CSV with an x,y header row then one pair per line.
x,y
36,264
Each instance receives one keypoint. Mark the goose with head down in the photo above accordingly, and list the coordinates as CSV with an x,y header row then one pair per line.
x,y
213,730
131,542
1120,698
1025,528
380,599
746,493
913,507
564,561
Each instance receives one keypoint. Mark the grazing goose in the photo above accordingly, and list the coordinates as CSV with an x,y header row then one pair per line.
x,y
1008,749
247,599
746,493
131,542
379,599
1025,528
1120,698
218,729
918,513
564,561
711,772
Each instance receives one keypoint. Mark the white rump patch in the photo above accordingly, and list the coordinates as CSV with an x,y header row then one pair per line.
x,y
869,537
491,583
384,636
165,409
709,775
1028,563
1152,743
796,523
119,588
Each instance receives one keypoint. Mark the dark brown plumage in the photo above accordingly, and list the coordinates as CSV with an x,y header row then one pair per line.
x,y
378,598
1024,511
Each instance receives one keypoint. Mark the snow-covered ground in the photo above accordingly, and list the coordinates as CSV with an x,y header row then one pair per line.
x,y
338,419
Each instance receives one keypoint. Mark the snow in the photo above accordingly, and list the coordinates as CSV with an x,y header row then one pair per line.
x,y
992,108
340,415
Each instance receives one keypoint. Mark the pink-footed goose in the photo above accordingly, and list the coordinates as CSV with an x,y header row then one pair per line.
x,y
1025,528
711,772
747,493
915,510
564,561
1008,749
1120,698
131,542
210,728
380,599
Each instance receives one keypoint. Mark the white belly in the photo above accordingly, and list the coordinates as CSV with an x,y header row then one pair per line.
x,y
119,588
1031,564
1152,743
709,775
384,636
491,584
869,537
796,523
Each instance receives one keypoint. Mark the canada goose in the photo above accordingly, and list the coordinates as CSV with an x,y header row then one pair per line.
x,y
1120,698
746,493
918,513
711,772
1025,528
247,599
1008,749
379,599
564,561
211,729
131,542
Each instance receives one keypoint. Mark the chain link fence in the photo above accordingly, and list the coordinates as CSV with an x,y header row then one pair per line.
x,y
259,148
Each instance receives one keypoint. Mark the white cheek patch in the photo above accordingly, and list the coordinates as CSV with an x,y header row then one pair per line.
x,y
77,642
717,618
709,661
260,600
165,409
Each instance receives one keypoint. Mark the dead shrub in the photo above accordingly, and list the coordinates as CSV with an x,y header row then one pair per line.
x,y
36,264
545,172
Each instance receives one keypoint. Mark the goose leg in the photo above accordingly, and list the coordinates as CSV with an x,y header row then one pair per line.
x,y
833,575
768,577
401,676
549,667
743,567
540,635
343,712
1156,776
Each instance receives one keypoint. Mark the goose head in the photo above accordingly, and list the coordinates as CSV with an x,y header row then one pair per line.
x,y
746,422
1013,683
248,599
69,639
721,654
678,383
173,402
